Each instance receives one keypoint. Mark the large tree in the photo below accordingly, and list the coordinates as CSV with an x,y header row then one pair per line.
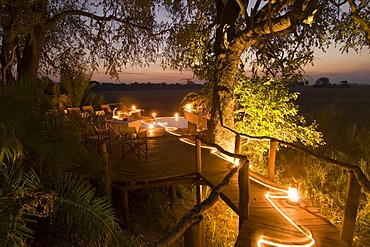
x,y
276,38
211,37
229,29
38,36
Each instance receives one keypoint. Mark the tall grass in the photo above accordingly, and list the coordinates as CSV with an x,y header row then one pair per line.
x,y
324,185
153,215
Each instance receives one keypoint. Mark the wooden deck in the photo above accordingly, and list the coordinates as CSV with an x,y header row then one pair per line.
x,y
170,161
266,220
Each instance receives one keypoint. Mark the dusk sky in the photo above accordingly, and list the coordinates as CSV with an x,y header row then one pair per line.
x,y
352,67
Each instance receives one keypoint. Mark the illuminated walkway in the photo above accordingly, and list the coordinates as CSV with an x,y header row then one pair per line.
x,y
265,220
172,162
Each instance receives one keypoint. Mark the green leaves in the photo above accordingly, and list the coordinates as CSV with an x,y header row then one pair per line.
x,y
265,107
80,213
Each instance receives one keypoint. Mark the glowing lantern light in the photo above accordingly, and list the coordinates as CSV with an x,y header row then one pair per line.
x,y
236,162
114,114
151,126
188,107
153,114
293,195
133,107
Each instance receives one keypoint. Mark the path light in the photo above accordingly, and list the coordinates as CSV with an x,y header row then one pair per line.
x,y
153,114
133,107
176,116
188,107
114,113
236,162
293,195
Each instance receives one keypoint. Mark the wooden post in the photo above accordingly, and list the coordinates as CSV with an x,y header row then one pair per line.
x,y
238,145
172,195
198,157
192,128
271,160
244,203
194,235
105,170
350,210
125,209
198,168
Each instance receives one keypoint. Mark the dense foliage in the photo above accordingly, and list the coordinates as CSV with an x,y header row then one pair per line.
x,y
40,204
39,37
266,107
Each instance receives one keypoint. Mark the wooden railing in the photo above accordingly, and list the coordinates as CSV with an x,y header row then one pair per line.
x,y
194,216
357,181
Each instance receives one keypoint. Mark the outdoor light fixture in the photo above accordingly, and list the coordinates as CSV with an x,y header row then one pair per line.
x,y
293,195
188,107
236,162
153,114
151,126
114,113
133,107
176,116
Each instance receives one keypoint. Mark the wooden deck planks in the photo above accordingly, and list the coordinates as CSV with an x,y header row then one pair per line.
x,y
169,158
265,219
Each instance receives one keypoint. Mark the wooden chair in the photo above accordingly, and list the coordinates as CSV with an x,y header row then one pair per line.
x,y
88,109
133,142
74,110
108,112
100,136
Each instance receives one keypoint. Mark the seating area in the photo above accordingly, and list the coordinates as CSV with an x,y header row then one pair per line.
x,y
133,140
114,119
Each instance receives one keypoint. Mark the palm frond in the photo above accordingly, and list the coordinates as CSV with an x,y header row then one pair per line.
x,y
10,178
32,180
80,212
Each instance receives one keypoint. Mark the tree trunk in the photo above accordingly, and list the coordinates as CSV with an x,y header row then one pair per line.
x,y
226,67
29,63
222,109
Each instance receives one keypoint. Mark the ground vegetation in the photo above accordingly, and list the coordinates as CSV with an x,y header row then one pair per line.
x,y
42,204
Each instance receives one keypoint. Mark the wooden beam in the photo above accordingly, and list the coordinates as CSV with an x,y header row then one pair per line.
x,y
238,146
350,210
125,209
198,156
194,235
172,195
244,204
199,192
272,160
105,168
139,186
198,163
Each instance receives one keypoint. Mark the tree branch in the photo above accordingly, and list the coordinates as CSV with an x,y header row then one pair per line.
x,y
355,15
60,16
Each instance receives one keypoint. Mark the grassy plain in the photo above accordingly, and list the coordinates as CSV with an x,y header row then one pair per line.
x,y
164,102
343,115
